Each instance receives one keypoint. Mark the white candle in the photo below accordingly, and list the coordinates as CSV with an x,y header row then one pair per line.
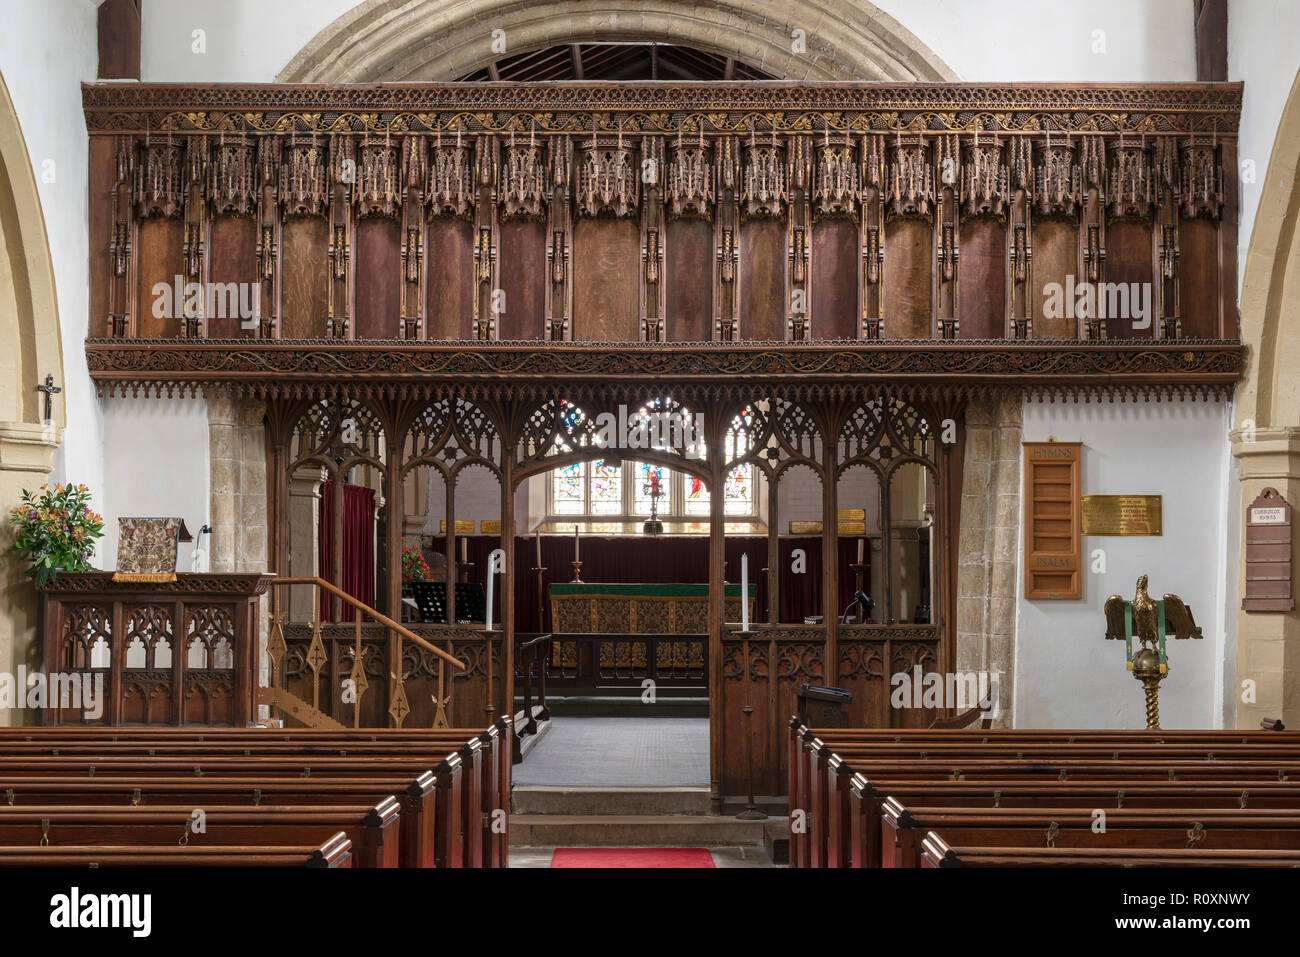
x,y
575,543
859,551
744,592
464,546
537,537
491,574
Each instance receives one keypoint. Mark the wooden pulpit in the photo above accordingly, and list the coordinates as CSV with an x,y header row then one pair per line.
x,y
180,652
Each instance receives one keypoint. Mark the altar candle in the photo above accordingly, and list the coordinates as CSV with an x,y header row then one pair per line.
x,y
859,551
575,543
491,574
744,592
464,549
537,537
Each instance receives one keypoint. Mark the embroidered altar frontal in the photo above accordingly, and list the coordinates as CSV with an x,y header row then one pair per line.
x,y
631,609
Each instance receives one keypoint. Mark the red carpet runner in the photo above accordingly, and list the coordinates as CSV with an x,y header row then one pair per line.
x,y
631,857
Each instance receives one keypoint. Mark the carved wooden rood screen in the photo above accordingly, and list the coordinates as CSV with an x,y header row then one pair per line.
x,y
420,283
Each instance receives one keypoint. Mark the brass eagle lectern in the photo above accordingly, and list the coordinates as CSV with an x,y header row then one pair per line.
x,y
1149,621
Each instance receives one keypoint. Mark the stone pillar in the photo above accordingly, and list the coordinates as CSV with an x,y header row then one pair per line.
x,y
304,538
1268,643
25,453
989,545
237,451
906,502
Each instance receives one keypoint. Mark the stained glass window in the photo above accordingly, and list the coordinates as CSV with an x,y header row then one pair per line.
x,y
739,491
611,490
646,477
696,495
606,489
569,492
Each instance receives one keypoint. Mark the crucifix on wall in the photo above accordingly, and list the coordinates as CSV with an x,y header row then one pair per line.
x,y
50,390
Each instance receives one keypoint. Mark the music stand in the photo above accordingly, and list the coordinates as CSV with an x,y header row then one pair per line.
x,y
431,599
471,603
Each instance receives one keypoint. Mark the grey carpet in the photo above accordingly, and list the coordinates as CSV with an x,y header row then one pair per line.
x,y
620,752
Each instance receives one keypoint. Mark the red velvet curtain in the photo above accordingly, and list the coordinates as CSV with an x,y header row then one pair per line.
x,y
358,547
667,559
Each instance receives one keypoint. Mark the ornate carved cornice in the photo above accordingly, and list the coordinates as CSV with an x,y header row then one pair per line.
x,y
101,582
287,367
637,108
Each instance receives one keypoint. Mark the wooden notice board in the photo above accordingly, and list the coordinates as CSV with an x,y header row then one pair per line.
x,y
1053,520
1268,554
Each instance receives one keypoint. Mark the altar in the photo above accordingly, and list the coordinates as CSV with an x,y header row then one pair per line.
x,y
624,610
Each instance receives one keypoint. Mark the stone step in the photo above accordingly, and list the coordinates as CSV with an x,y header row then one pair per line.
x,y
624,706
641,830
537,799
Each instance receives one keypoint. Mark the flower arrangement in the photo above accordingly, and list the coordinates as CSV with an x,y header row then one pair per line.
x,y
414,567
56,529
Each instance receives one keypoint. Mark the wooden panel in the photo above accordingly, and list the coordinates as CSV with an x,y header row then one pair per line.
x,y
606,257
1056,253
160,255
1053,520
304,302
688,270
909,303
523,279
1129,260
982,298
101,231
232,256
449,251
762,279
1198,278
835,279
379,278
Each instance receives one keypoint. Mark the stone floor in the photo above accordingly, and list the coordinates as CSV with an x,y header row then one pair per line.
x,y
619,752
722,857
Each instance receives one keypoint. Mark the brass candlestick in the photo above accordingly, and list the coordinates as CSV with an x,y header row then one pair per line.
x,y
577,571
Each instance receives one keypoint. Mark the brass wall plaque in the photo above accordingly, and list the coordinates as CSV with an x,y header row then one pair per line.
x,y
464,526
1121,515
805,528
853,515
489,527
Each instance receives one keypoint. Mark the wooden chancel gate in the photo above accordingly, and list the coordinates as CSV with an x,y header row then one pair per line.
x,y
829,273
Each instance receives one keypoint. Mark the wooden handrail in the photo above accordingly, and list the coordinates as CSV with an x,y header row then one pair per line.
x,y
376,615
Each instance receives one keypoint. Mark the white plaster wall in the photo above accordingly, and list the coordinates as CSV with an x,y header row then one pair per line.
x,y
1264,52
47,48
155,464
1067,674
251,40
1055,39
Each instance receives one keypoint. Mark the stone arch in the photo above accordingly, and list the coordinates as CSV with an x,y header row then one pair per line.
x,y
30,345
1266,434
426,40
30,349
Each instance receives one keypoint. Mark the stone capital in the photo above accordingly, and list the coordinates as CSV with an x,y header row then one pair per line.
x,y
28,446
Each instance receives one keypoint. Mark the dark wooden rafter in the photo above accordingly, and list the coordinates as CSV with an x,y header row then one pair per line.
x,y
119,39
1211,39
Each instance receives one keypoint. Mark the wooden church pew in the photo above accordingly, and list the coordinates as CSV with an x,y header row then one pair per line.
x,y
372,830
936,852
867,796
822,771
426,837
335,852
903,828
451,798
